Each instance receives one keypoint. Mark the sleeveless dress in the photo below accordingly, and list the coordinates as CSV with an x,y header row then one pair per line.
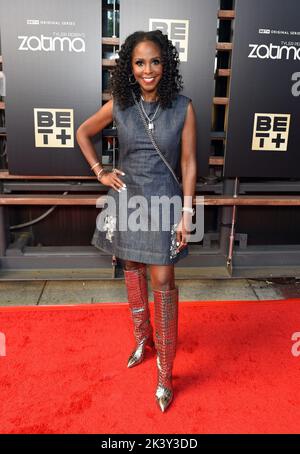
x,y
148,179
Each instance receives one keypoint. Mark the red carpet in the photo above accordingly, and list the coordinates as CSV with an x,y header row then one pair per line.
x,y
235,371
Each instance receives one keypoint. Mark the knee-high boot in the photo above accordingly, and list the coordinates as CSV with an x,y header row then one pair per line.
x,y
137,292
166,325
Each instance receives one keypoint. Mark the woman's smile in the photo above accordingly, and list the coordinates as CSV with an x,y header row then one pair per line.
x,y
148,80
147,67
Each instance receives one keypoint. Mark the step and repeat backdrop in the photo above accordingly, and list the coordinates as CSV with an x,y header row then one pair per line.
x,y
52,64
191,25
51,61
263,135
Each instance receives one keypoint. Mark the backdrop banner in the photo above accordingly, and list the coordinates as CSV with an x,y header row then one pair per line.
x,y
51,63
263,136
191,26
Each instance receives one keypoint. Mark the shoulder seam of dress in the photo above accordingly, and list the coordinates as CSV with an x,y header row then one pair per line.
x,y
187,98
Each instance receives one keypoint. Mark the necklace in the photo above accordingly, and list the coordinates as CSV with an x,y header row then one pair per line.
x,y
150,120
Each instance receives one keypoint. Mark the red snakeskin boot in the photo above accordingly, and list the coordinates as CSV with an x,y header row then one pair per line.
x,y
137,292
166,326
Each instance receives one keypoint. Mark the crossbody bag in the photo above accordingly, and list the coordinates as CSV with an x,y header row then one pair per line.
x,y
149,132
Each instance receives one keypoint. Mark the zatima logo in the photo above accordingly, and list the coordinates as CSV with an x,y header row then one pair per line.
x,y
271,132
273,52
54,128
51,44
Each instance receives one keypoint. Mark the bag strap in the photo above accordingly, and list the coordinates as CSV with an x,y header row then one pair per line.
x,y
153,140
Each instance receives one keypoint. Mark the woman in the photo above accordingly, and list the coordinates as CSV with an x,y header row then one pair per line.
x,y
145,95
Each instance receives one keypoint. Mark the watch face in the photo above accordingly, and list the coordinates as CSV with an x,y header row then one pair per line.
x,y
190,210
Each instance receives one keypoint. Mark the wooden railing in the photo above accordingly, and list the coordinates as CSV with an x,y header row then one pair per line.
x,y
92,199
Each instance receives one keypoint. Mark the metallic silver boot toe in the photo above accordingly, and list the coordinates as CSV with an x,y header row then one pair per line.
x,y
138,354
164,397
164,393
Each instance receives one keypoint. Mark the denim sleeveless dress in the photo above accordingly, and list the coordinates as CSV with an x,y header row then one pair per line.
x,y
147,178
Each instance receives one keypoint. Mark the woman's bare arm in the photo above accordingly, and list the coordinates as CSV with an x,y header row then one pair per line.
x,y
188,152
91,127
88,129
189,173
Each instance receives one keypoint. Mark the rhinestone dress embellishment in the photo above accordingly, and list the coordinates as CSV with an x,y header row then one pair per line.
x,y
109,226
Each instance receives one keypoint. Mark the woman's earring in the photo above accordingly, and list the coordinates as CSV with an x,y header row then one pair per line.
x,y
130,81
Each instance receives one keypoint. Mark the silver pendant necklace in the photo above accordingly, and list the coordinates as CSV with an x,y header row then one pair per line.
x,y
150,120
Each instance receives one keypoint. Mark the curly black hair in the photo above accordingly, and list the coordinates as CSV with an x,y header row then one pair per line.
x,y
169,85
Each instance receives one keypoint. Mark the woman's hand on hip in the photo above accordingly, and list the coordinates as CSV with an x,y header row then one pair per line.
x,y
111,179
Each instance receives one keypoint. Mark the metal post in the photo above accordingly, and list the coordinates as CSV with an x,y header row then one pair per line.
x,y
3,231
226,219
232,231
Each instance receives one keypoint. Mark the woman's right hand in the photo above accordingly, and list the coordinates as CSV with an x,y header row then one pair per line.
x,y
111,179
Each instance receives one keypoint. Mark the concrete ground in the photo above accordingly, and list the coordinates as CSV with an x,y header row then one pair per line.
x,y
24,293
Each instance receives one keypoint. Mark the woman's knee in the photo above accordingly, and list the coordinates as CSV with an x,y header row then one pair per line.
x,y
162,278
132,265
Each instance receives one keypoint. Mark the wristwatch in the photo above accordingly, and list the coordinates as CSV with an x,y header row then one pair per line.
x,y
190,210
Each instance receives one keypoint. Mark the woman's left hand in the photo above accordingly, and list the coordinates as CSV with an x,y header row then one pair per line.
x,y
183,229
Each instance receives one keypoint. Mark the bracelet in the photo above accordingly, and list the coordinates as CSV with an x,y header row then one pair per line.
x,y
190,210
94,165
99,173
